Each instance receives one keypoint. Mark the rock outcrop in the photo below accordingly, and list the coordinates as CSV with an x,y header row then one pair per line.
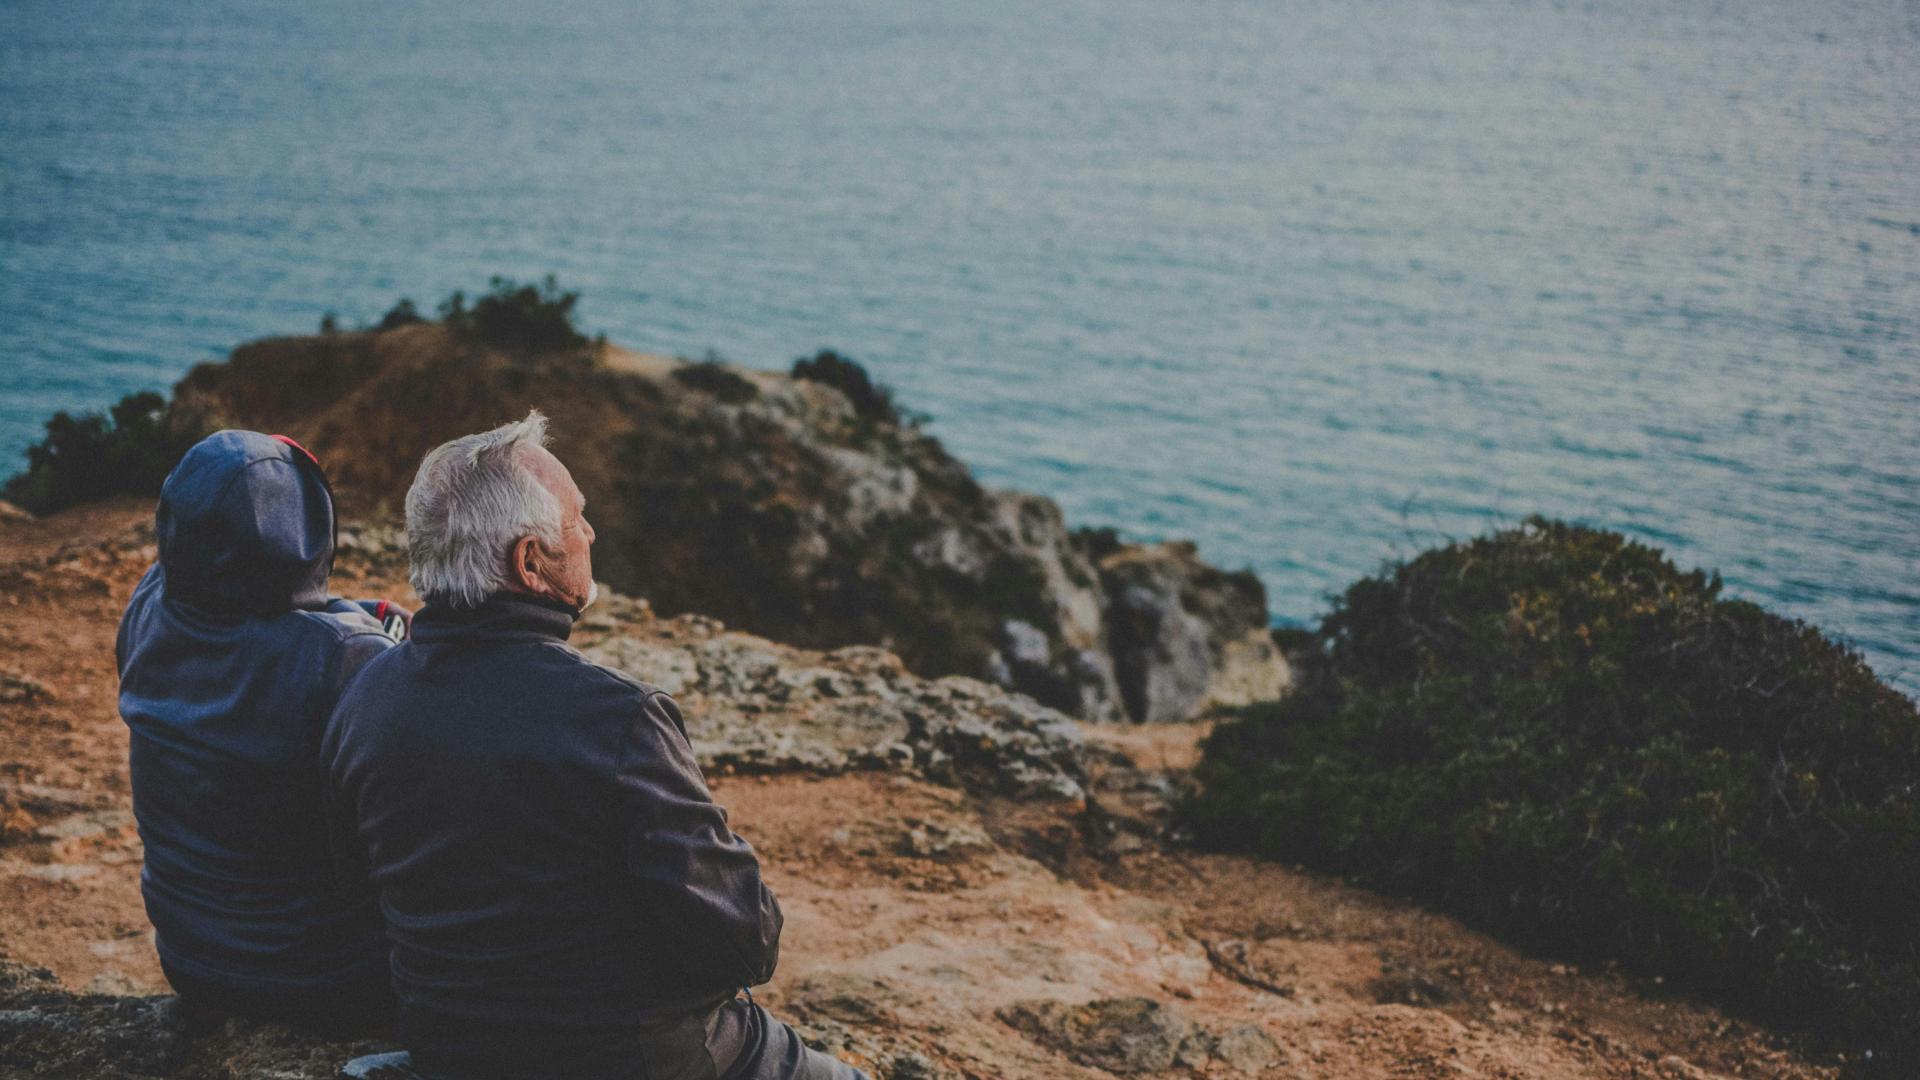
x,y
757,706
1184,636
787,507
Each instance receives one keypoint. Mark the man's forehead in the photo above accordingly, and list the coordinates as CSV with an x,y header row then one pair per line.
x,y
552,472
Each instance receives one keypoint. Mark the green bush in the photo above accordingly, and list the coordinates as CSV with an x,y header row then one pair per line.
x,y
399,315
514,317
871,401
1292,640
1559,735
1097,542
717,379
130,450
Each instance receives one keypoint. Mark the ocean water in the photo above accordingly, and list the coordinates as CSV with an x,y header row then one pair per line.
x,y
1318,284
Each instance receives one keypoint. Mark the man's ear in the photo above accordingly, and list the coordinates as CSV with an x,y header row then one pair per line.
x,y
524,567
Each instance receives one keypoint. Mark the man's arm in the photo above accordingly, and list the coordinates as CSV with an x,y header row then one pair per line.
x,y
699,880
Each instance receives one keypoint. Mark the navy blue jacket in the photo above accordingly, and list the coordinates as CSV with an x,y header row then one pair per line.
x,y
554,874
231,657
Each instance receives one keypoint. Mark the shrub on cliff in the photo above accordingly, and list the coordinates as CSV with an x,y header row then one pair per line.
x,y
516,317
128,450
1558,734
871,401
714,377
399,315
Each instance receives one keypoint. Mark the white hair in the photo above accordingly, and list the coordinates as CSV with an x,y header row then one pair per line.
x,y
473,499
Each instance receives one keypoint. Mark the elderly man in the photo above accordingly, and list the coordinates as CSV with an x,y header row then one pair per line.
x,y
563,897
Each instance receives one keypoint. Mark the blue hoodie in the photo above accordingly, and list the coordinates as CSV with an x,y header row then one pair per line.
x,y
231,657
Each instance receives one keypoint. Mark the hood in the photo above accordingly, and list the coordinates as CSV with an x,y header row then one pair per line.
x,y
245,526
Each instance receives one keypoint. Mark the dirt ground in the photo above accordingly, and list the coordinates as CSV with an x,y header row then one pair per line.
x,y
919,917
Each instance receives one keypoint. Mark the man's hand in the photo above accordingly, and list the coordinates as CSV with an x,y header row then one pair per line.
x,y
394,619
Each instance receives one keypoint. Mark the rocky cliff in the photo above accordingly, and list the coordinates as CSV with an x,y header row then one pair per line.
x,y
804,509
975,886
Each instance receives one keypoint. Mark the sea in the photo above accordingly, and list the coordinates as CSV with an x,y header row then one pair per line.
x,y
1316,284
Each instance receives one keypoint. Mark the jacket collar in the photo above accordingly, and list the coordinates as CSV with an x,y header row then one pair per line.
x,y
501,617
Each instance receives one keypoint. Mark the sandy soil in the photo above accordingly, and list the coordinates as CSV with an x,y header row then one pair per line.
x,y
919,916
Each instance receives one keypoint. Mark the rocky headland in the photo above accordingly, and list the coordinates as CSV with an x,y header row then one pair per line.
x,y
804,507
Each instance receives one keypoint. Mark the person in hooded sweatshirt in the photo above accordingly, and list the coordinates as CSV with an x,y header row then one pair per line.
x,y
232,654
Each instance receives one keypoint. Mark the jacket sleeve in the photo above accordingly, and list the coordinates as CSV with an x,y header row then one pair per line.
x,y
693,873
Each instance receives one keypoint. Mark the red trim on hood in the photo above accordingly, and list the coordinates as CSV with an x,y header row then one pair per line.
x,y
296,446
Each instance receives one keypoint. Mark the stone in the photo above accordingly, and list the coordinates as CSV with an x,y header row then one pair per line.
x,y
1248,1049
1160,654
671,669
1024,644
18,689
1138,1035
1679,1068
1124,1036
940,840
393,1065
1248,668
1184,636
844,997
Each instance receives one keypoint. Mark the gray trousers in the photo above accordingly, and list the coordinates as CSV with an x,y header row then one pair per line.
x,y
738,1041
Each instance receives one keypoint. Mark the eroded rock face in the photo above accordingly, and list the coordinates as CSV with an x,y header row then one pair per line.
x,y
775,504
1185,636
753,705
